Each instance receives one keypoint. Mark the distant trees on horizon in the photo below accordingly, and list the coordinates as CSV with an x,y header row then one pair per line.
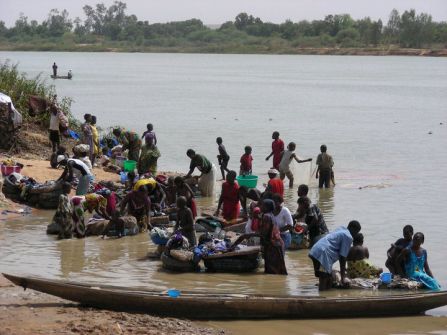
x,y
102,24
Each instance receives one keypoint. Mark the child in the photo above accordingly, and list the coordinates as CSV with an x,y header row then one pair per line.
x,y
324,168
416,265
302,191
229,198
61,151
183,190
359,265
222,157
396,248
246,162
63,213
185,221
150,130
286,159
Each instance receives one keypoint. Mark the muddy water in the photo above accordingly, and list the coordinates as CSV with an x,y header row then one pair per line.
x,y
384,119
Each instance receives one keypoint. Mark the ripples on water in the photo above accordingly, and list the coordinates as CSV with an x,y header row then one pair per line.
x,y
372,112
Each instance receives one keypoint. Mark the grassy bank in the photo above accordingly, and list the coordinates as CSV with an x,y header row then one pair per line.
x,y
231,48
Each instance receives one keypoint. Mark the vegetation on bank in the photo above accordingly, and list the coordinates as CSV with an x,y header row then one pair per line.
x,y
111,29
20,88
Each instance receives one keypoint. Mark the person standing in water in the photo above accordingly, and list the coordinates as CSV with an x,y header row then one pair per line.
x,y
286,159
54,69
223,157
324,168
277,149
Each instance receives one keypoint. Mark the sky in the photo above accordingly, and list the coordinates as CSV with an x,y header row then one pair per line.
x,y
217,12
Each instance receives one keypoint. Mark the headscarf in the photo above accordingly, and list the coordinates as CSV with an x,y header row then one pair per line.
x,y
148,181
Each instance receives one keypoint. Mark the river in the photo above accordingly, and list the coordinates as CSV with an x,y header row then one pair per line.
x,y
384,120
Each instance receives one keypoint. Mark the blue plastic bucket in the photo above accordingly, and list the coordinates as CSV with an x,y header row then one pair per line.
x,y
385,277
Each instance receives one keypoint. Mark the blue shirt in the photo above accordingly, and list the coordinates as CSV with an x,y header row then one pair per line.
x,y
330,247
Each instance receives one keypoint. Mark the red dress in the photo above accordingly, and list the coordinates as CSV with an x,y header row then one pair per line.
x,y
246,163
276,186
277,149
230,199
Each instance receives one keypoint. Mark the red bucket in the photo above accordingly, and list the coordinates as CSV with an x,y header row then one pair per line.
x,y
7,170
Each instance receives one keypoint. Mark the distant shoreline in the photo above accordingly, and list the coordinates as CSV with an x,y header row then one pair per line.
x,y
241,49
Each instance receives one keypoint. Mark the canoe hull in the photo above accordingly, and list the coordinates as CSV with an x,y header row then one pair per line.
x,y
217,306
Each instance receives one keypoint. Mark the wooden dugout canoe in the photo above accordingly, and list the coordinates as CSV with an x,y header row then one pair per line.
x,y
233,306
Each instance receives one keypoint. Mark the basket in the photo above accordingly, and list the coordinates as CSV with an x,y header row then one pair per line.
x,y
129,165
7,170
249,181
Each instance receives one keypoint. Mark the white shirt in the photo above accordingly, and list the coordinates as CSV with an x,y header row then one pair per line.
x,y
79,168
283,219
286,159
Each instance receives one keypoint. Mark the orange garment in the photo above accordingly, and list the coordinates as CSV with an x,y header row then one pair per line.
x,y
276,186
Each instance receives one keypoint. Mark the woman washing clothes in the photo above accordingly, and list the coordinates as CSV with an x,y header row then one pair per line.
x,y
138,205
271,241
208,177
229,198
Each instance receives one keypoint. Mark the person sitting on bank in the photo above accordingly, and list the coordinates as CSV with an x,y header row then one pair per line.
x,y
328,250
208,172
185,222
286,159
63,215
416,264
274,185
359,265
324,168
229,198
394,252
312,216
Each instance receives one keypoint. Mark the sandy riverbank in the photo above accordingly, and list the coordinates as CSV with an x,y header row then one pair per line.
x,y
30,312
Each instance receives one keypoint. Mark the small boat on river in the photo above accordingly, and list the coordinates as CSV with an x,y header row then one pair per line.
x,y
206,305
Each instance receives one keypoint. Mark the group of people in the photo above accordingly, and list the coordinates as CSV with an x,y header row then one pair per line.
x,y
268,219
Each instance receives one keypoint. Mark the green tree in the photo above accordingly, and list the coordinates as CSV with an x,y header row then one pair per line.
x,y
58,23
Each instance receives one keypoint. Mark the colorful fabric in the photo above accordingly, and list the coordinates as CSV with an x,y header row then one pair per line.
x,y
246,164
362,269
132,142
273,247
151,182
77,204
63,218
95,137
415,269
277,149
276,186
315,222
94,201
230,199
148,160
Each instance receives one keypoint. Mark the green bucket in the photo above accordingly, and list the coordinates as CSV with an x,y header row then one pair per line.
x,y
129,165
249,181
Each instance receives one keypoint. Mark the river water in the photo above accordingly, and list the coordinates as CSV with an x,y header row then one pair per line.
x,y
384,120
